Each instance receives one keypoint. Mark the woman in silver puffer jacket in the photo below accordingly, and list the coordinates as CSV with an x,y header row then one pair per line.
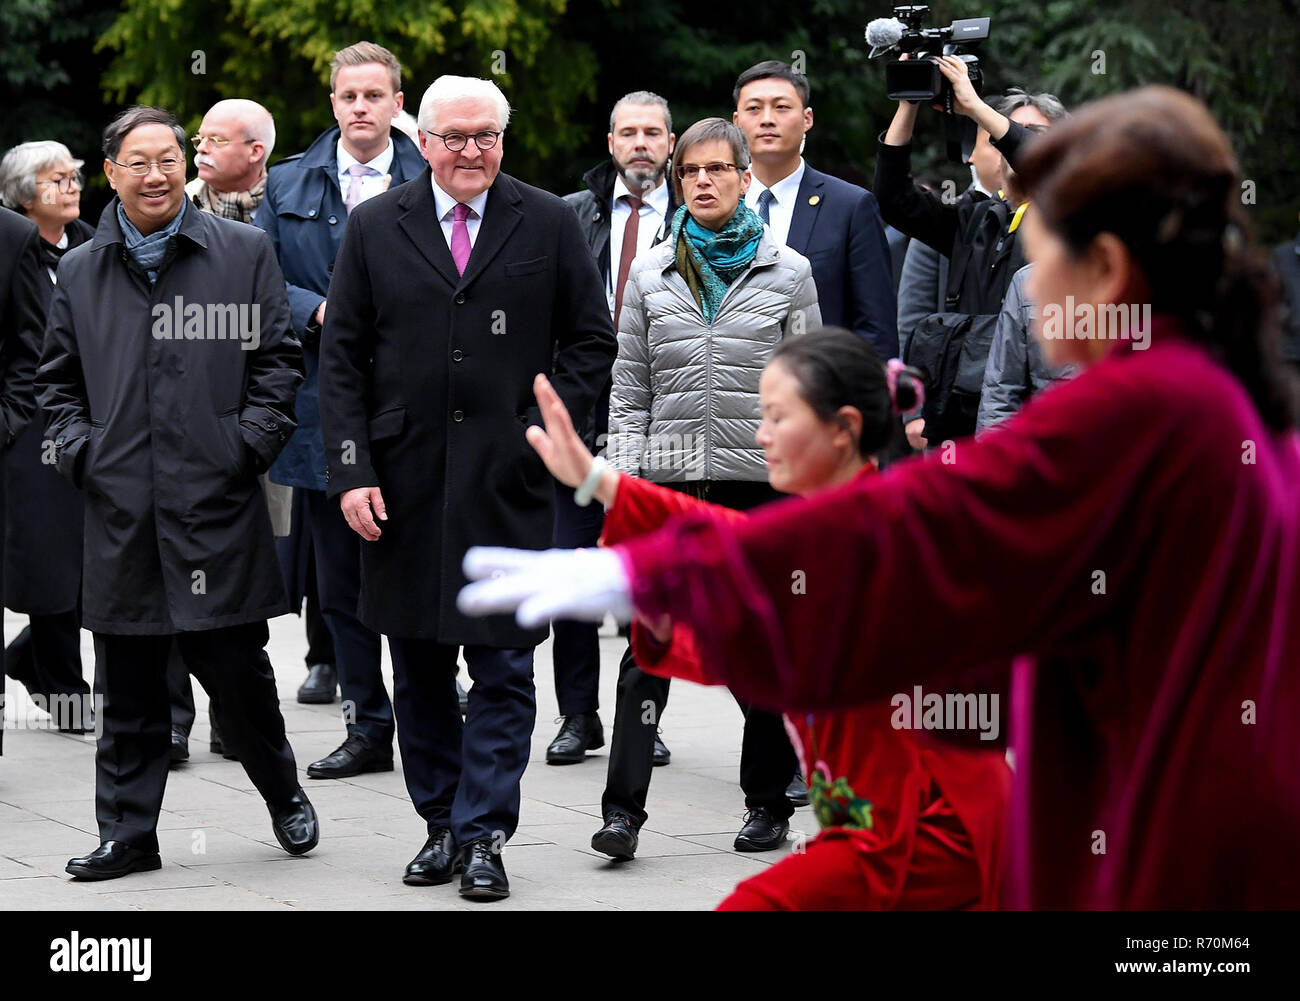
x,y
702,313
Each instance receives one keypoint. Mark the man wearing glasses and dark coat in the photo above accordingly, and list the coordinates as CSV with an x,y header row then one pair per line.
x,y
167,378
449,295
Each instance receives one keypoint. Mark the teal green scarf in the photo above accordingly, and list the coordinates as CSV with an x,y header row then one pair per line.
x,y
715,260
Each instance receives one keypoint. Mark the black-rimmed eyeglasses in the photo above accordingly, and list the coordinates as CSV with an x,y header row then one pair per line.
x,y
168,165
67,182
457,141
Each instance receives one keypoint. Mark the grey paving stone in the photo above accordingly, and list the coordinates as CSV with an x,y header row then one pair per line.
x,y
369,829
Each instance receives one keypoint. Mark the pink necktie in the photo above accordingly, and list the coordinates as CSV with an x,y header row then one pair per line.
x,y
460,247
358,171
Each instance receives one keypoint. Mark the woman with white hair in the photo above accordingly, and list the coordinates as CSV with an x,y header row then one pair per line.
x,y
43,182
43,520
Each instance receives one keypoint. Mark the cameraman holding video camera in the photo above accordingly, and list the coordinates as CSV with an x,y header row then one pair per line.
x,y
978,235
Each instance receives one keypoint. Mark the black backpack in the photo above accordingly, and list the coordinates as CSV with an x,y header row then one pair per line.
x,y
951,349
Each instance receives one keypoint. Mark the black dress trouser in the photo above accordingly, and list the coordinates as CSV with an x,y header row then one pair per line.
x,y
767,761
320,650
576,650
131,760
46,657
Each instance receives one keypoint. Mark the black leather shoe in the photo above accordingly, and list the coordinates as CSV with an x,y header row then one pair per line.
x,y
355,756
578,735
437,862
662,754
321,686
111,860
762,832
295,825
485,874
618,838
463,697
797,791
180,749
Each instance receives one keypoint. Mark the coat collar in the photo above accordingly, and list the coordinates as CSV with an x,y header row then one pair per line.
x,y
418,219
804,215
600,181
323,152
194,227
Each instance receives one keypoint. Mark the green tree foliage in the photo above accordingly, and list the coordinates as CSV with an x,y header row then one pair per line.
x,y
49,73
567,61
187,54
1240,61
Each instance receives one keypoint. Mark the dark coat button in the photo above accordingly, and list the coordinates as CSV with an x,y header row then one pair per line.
x,y
333,219
460,298
458,415
456,355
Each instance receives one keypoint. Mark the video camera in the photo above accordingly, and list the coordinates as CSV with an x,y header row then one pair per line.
x,y
917,78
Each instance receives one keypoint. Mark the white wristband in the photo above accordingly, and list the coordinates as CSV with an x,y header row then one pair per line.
x,y
582,496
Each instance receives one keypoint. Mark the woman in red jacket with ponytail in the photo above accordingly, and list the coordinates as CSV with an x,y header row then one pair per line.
x,y
906,822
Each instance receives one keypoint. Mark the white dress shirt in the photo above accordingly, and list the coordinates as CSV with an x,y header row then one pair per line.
x,y
654,212
371,184
62,245
446,206
781,212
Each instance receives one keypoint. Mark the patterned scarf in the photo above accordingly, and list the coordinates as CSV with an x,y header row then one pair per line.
x,y
708,261
148,251
237,205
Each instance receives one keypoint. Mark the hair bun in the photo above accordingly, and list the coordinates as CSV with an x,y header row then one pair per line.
x,y
906,386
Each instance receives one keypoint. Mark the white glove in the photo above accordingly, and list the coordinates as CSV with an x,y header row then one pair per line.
x,y
538,586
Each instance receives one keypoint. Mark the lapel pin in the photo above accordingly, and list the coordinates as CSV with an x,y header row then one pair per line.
x,y
814,199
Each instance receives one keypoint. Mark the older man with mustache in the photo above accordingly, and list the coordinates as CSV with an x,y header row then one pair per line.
x,y
233,145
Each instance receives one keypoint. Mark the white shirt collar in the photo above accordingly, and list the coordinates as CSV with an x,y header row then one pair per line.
x,y
445,203
657,199
379,164
785,191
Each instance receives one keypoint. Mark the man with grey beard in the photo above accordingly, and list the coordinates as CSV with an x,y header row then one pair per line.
x,y
625,208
